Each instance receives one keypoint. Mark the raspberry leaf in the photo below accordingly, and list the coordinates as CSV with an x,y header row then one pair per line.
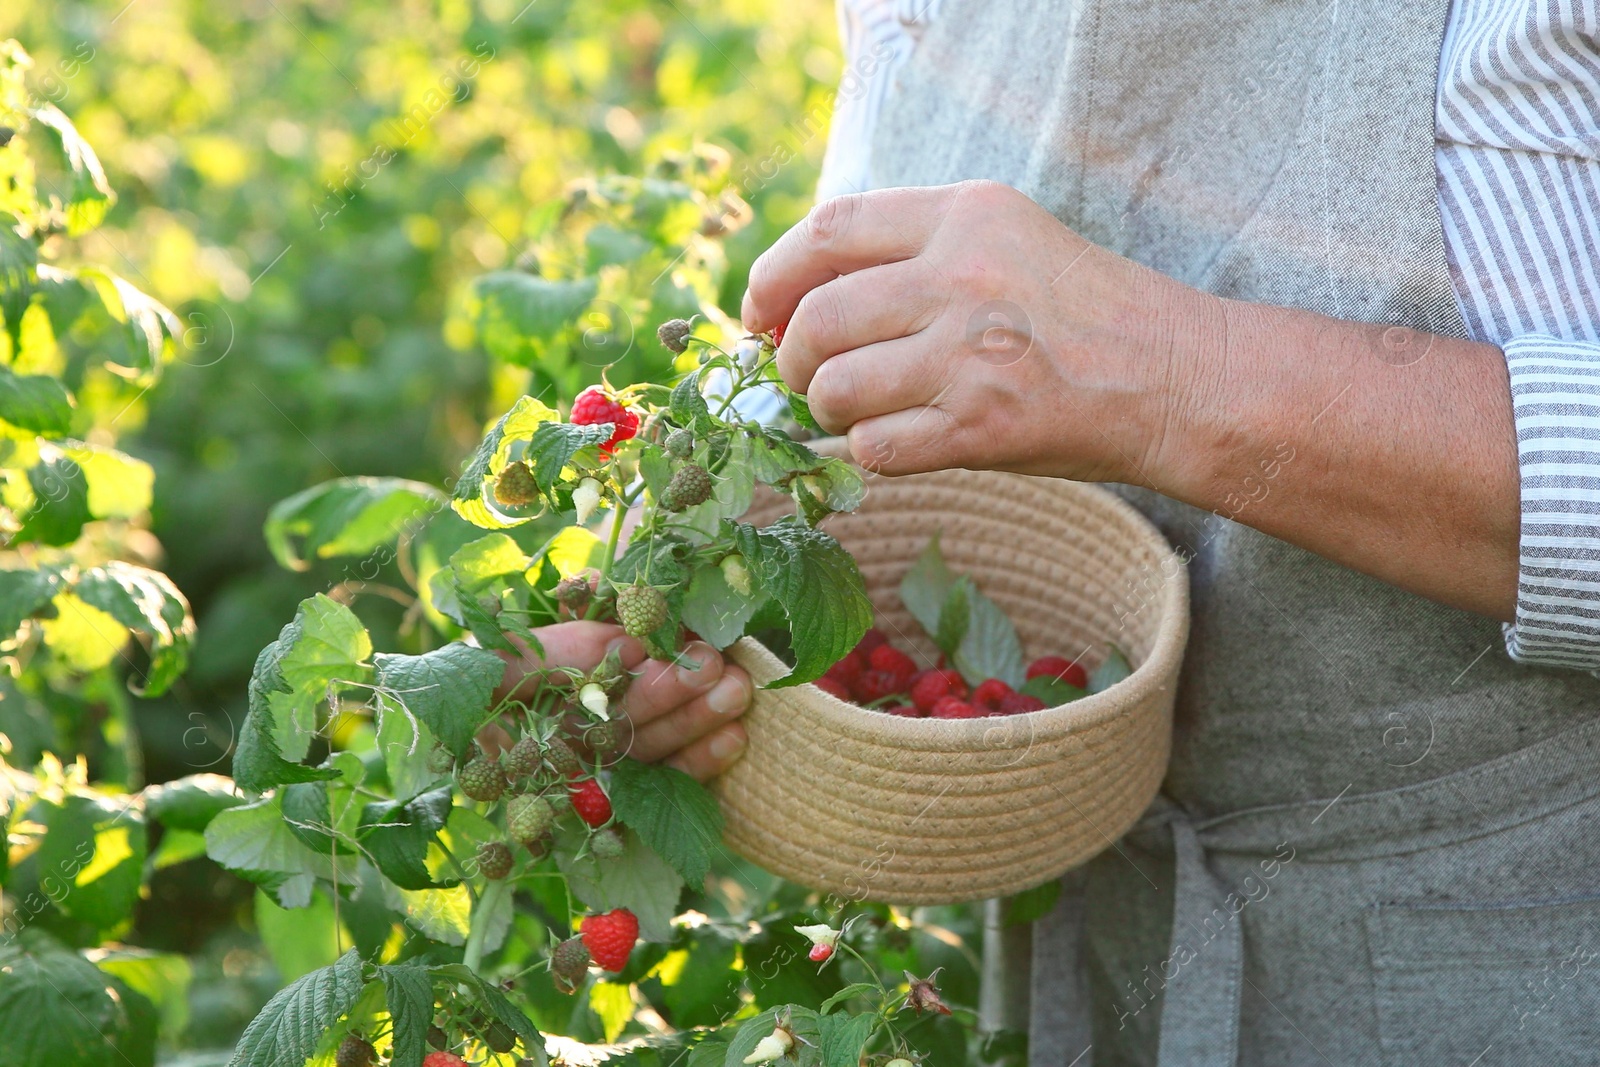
x,y
1053,691
499,1008
256,843
396,836
190,803
346,517
776,456
800,409
955,616
56,1007
408,994
258,763
291,1026
990,648
801,1021
147,603
449,688
22,593
639,880
715,610
1113,669
308,811
324,645
671,812
926,586
520,317
1032,904
555,443
844,1037
687,403
473,498
35,402
816,583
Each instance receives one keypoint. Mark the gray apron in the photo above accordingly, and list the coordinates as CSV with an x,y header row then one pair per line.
x,y
1377,840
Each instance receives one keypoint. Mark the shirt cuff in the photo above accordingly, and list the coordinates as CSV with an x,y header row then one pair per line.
x,y
1555,394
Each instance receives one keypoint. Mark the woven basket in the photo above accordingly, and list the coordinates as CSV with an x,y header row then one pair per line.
x,y
934,811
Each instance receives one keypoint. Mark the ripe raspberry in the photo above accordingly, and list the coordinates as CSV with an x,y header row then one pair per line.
x,y
834,687
891,659
610,937
870,640
1060,667
528,817
821,953
642,609
690,485
569,963
494,859
590,802
354,1052
606,844
847,670
929,686
523,759
679,444
905,711
515,488
595,406
989,692
1017,703
481,779
875,685
953,708
674,335
558,755
443,1059
777,334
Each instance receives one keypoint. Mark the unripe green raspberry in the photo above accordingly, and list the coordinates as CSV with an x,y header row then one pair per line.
x,y
515,488
736,574
481,779
679,444
440,760
602,738
528,817
690,485
560,757
642,609
606,844
494,859
523,759
569,964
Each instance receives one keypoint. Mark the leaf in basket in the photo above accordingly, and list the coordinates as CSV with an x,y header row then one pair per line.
x,y
990,648
1053,691
926,586
955,617
816,583
1113,670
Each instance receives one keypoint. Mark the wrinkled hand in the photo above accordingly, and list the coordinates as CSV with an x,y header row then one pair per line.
x,y
682,714
964,326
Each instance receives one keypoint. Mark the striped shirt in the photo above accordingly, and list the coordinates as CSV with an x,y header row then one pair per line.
x,y
1518,166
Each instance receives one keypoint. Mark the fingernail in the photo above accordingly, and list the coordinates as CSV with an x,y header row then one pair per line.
x,y
727,745
699,666
729,696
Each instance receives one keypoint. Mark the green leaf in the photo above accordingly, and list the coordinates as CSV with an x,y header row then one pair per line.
x,y
473,498
499,1008
776,457
190,803
671,812
258,763
61,502
800,409
324,645
120,487
161,978
22,594
56,1008
396,836
289,1029
844,1037
1053,691
991,648
254,841
816,583
408,993
35,402
555,443
638,880
519,317
146,602
308,814
926,586
90,196
715,610
955,616
298,940
688,403
613,1003
655,468
732,490
95,846
450,689
346,517
1113,669
855,989
1032,904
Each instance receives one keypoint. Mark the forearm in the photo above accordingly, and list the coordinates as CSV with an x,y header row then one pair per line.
x,y
1387,450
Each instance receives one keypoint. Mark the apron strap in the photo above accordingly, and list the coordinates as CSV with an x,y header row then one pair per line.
x,y
1204,969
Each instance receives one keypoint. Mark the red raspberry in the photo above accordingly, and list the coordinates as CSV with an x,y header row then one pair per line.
x,y
847,670
953,708
870,640
610,937
989,693
891,659
821,953
833,687
590,802
928,686
1016,703
595,406
875,685
777,334
1059,667
443,1059
905,711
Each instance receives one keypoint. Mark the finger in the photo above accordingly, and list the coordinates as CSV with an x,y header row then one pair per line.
x,y
875,380
682,726
660,687
909,441
710,756
853,311
839,236
580,645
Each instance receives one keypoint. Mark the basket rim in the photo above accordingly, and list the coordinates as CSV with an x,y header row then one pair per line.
x,y
1152,674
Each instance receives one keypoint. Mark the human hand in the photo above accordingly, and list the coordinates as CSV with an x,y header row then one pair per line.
x,y
964,326
683,714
